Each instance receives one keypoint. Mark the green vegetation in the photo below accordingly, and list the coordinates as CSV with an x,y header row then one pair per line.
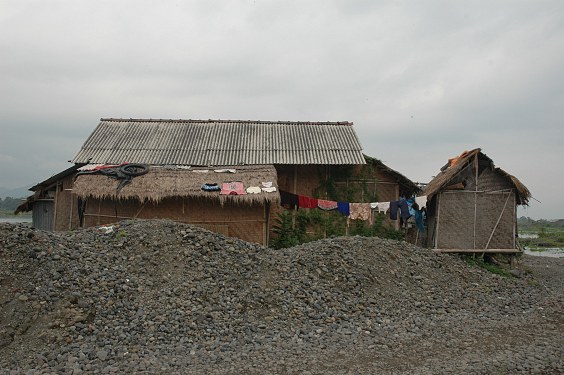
x,y
8,205
482,263
292,228
538,235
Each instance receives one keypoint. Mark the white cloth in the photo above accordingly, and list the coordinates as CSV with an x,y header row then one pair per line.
x,y
224,170
421,201
383,206
271,189
253,190
267,184
373,205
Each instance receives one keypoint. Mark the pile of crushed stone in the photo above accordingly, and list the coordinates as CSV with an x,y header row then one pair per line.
x,y
163,297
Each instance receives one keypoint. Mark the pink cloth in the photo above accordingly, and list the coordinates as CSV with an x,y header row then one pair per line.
x,y
361,211
326,205
233,188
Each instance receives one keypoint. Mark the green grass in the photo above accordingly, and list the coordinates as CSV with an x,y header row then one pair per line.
x,y
493,268
547,238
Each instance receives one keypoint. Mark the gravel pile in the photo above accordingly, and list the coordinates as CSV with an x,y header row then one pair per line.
x,y
161,297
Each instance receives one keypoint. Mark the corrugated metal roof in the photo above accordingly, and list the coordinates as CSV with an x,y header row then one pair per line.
x,y
220,142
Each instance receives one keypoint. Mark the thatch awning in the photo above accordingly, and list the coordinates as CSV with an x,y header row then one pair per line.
x,y
456,165
168,182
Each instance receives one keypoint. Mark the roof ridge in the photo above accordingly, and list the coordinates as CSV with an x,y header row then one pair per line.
x,y
348,123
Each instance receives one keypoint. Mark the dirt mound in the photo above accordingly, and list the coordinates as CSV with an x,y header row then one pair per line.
x,y
159,296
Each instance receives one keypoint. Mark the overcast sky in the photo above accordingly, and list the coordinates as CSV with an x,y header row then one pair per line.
x,y
421,80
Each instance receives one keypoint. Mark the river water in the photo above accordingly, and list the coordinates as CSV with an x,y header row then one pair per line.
x,y
15,219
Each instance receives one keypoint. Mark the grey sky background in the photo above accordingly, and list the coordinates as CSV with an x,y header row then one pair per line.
x,y
421,80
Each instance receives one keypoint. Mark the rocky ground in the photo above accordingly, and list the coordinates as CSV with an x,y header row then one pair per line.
x,y
157,297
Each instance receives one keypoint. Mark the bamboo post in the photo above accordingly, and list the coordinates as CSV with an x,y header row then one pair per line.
x,y
476,164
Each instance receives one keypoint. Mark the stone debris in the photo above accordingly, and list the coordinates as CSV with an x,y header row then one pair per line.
x,y
157,296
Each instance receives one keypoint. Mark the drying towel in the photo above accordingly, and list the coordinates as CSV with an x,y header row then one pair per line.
x,y
288,200
267,184
374,205
271,189
361,211
233,188
326,205
307,202
343,208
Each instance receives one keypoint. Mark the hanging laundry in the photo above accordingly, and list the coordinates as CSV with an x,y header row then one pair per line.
x,y
404,209
233,188
225,170
394,207
201,171
374,205
210,187
271,189
326,205
267,184
383,207
421,201
253,190
420,220
288,200
360,211
307,202
410,208
344,208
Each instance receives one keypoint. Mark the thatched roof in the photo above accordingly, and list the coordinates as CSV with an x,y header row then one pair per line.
x,y
405,182
460,163
168,182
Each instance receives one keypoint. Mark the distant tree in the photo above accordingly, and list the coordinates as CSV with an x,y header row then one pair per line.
x,y
9,203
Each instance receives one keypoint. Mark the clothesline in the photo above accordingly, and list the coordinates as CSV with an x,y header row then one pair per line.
x,y
358,211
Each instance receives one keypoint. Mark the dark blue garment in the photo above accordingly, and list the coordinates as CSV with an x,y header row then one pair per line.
x,y
344,208
394,207
404,207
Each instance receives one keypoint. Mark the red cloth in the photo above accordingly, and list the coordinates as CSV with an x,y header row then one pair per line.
x,y
307,202
233,188
327,205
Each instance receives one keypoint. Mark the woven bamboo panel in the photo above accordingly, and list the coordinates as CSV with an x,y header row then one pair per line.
x,y
456,227
456,221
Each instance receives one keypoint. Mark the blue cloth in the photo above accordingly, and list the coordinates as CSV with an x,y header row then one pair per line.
x,y
419,220
394,207
344,208
404,208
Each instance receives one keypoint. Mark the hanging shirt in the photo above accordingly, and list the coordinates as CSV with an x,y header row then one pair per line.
x,y
343,208
326,205
360,211
421,201
383,207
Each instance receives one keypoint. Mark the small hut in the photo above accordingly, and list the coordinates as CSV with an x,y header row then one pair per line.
x,y
472,206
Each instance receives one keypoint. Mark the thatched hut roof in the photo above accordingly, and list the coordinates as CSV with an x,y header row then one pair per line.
x,y
407,185
167,182
458,164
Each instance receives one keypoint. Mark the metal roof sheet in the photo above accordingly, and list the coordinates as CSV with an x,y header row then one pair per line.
x,y
220,142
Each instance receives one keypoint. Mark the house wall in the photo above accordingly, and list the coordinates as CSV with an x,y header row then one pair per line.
x,y
468,220
242,221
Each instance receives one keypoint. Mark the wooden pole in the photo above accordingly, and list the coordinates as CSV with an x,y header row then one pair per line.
x,y
476,164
